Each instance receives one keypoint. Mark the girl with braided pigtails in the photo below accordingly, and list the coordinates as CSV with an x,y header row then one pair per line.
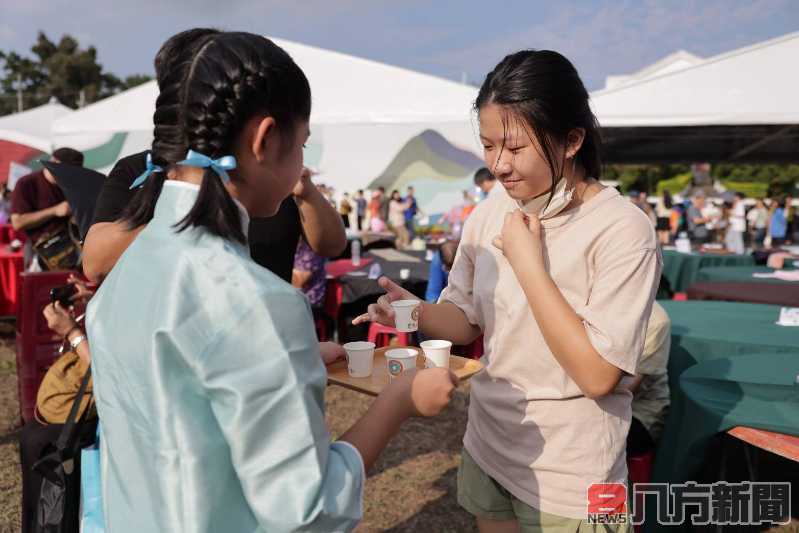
x,y
207,374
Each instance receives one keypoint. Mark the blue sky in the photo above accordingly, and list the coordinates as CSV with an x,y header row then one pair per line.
x,y
445,38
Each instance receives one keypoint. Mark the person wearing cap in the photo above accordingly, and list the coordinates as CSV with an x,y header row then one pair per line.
x,y
38,205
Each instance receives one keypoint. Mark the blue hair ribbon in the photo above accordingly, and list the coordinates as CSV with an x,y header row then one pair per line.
x,y
220,166
138,182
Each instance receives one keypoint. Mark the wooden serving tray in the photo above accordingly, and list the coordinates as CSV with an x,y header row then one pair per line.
x,y
337,373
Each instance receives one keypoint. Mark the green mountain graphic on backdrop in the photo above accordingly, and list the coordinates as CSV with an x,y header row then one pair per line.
x,y
100,156
427,157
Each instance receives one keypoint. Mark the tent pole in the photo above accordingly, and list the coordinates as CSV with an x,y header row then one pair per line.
x,y
767,139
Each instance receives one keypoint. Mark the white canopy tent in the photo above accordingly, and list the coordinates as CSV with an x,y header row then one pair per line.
x,y
33,127
738,106
671,63
366,117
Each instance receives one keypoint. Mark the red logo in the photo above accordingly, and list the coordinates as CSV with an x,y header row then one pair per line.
x,y
607,499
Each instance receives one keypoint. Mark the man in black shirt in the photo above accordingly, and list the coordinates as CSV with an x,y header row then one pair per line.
x,y
273,241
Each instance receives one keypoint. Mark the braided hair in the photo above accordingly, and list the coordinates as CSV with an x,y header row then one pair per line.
x,y
206,98
175,51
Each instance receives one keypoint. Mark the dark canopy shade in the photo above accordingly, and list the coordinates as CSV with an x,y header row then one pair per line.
x,y
729,144
738,107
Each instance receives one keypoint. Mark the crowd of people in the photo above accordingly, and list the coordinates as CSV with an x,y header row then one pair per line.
x,y
766,223
208,380
381,213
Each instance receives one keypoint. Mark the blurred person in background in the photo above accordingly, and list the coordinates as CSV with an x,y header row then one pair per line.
x,y
697,221
646,207
360,208
663,210
309,275
757,217
40,209
344,209
410,213
377,223
396,219
736,227
778,223
5,204
486,182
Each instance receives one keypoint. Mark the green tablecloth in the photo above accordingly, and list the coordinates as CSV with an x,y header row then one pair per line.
x,y
702,334
739,273
681,269
756,390
729,365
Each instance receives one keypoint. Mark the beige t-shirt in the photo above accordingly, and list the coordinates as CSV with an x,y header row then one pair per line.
x,y
651,398
530,427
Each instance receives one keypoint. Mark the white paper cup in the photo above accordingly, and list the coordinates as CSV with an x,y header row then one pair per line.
x,y
405,273
400,359
436,353
360,358
406,313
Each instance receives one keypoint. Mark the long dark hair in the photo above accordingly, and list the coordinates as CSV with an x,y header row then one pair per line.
x,y
209,92
542,88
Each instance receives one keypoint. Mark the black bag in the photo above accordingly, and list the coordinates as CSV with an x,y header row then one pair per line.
x,y
51,485
58,249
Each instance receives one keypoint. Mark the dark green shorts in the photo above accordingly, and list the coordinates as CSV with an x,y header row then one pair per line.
x,y
483,497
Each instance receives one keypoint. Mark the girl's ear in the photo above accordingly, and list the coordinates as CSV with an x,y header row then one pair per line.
x,y
263,133
574,141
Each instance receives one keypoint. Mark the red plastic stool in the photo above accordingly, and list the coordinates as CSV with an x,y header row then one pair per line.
x,y
639,469
37,346
381,335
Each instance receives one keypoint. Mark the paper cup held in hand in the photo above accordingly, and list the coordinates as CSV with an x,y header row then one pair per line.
x,y
436,353
360,358
406,315
399,360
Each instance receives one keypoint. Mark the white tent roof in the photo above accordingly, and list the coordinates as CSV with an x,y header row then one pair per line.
x,y
749,86
671,63
32,127
345,89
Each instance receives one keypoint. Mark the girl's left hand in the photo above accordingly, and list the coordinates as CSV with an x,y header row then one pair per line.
x,y
520,240
83,294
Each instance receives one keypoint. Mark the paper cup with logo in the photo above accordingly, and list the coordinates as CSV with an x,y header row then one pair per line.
x,y
399,360
406,315
360,358
436,353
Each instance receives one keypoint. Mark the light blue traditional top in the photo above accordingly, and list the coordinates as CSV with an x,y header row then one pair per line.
x,y
210,387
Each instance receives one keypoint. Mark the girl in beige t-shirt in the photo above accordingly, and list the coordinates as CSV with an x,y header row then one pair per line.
x,y
559,275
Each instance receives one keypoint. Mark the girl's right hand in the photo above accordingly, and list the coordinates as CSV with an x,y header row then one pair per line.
x,y
58,319
424,392
382,312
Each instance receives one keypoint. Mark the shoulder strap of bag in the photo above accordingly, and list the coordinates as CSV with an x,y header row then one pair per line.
x,y
69,433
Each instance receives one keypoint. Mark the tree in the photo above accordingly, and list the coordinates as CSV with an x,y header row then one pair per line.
x,y
63,70
642,178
